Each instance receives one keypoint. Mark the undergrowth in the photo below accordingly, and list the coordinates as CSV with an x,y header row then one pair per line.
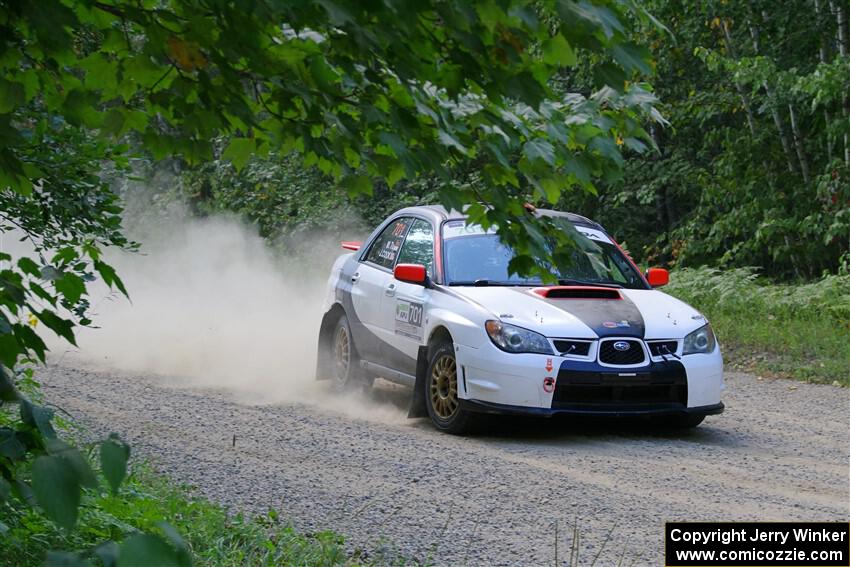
x,y
793,331
148,499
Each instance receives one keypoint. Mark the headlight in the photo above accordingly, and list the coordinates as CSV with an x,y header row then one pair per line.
x,y
701,340
511,338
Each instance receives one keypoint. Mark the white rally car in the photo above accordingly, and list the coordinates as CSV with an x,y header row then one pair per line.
x,y
428,301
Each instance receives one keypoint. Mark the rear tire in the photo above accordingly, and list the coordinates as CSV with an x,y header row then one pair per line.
x,y
346,374
441,399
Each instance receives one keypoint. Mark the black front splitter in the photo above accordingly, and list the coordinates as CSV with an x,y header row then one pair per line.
x,y
619,411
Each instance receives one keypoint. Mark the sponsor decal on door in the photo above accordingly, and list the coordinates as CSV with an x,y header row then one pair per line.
x,y
408,319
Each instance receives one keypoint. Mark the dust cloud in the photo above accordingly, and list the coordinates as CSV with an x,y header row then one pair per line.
x,y
211,305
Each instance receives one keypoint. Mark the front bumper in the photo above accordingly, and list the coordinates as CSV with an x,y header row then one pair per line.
x,y
493,381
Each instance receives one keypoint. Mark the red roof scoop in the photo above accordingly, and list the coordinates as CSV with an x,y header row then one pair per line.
x,y
351,245
577,292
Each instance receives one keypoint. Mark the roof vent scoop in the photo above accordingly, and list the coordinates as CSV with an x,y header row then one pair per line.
x,y
577,292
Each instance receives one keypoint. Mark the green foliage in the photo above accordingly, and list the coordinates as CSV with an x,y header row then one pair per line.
x,y
276,194
62,221
113,461
367,95
798,331
151,504
727,186
742,288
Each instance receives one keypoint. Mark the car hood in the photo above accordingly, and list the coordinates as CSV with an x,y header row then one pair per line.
x,y
641,313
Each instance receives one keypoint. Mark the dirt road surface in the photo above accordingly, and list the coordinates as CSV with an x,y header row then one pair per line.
x,y
397,487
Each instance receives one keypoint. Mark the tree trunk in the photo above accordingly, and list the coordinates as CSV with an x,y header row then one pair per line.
x,y
798,144
745,100
774,110
661,196
839,9
823,54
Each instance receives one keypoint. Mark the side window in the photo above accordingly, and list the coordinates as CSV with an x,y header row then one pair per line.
x,y
385,248
418,248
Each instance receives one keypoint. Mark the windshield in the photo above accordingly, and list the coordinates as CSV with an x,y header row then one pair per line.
x,y
476,257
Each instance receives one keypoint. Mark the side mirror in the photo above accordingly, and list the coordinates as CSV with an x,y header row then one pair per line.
x,y
657,277
410,273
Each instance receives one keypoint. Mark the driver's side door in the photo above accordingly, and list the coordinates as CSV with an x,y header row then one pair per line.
x,y
403,305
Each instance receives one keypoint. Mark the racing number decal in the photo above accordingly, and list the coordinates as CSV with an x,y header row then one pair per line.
x,y
408,319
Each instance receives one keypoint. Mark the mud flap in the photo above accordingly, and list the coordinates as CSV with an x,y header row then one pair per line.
x,y
417,403
323,361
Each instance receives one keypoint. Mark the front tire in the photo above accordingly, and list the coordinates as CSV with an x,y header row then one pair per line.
x,y
441,399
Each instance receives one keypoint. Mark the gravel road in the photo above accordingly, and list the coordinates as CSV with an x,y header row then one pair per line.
x,y
396,486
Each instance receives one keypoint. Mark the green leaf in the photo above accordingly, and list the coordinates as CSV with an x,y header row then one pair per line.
x,y
75,459
100,72
10,349
110,277
58,325
8,393
239,151
594,14
557,51
184,556
144,550
610,75
114,454
632,57
5,489
71,286
65,256
538,148
115,121
28,266
357,185
29,339
12,95
38,417
56,489
521,264
10,445
552,186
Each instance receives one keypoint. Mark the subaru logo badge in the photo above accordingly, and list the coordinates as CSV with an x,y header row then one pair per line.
x,y
622,345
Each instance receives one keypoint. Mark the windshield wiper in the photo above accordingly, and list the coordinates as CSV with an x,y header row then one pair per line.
x,y
476,283
485,283
582,282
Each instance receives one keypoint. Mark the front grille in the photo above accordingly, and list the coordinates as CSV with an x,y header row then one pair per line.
x,y
662,348
660,386
576,348
610,355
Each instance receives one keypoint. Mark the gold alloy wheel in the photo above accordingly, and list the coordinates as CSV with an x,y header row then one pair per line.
x,y
342,354
444,387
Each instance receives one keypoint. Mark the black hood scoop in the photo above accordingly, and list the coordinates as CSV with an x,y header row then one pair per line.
x,y
577,292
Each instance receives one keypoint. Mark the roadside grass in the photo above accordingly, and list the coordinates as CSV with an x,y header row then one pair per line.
x,y
148,499
789,331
